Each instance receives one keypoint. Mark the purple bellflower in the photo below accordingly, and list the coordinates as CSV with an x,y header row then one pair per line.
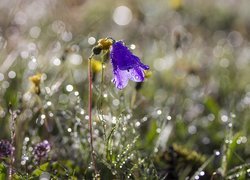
x,y
41,149
125,65
6,149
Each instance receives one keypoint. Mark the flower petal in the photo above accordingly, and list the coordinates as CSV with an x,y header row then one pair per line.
x,y
122,58
136,74
120,78
139,63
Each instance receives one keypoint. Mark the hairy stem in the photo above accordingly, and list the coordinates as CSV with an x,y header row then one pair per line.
x,y
90,115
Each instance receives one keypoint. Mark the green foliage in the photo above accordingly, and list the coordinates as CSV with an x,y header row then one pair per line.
x,y
3,171
40,169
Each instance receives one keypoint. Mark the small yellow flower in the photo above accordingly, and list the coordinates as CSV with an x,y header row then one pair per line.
x,y
176,4
96,66
35,80
148,73
105,43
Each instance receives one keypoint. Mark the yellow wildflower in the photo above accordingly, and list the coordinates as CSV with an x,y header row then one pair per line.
x,y
96,65
35,80
148,73
105,43
176,4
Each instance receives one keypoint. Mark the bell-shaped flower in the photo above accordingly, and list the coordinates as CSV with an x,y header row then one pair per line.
x,y
126,66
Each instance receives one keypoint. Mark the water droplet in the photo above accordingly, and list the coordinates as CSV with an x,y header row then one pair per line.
x,y
82,111
35,32
137,124
1,76
158,130
44,176
76,93
49,103
57,62
51,114
192,129
116,102
205,140
132,46
91,40
43,116
196,177
217,153
144,119
12,74
224,118
26,139
232,115
243,139
202,173
69,88
159,112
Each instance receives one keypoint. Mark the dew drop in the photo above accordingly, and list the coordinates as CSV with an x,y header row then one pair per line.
x,y
116,102
1,76
137,124
26,139
12,74
43,116
217,153
91,40
49,103
76,93
202,173
69,88
159,112
158,130
169,117
132,46
57,62
224,118
69,130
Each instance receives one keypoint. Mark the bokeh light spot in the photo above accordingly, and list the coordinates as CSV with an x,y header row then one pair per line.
x,y
122,15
